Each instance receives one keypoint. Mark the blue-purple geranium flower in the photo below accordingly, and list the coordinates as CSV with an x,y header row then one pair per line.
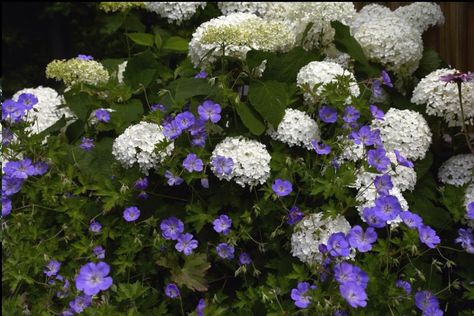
x,y
94,278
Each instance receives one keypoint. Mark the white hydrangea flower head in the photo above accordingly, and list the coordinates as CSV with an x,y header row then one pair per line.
x,y
121,70
137,145
47,111
323,72
258,8
250,157
391,41
297,15
350,150
313,231
422,15
469,195
174,11
406,131
76,71
457,170
403,177
367,194
296,129
342,59
368,13
469,198
239,33
442,99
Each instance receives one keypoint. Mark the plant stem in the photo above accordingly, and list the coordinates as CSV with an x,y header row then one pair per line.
x,y
463,120
181,305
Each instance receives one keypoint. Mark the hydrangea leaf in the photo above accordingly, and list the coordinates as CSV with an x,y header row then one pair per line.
x,y
176,43
281,67
189,87
250,118
270,99
141,70
143,39
346,43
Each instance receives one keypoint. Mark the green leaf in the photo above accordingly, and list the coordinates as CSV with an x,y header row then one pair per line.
x,y
250,118
189,87
75,130
158,40
81,104
429,63
126,291
176,43
270,99
112,23
346,43
453,198
125,114
141,70
281,67
193,273
143,39
53,128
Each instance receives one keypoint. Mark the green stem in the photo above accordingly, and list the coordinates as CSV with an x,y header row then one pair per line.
x,y
181,305
463,120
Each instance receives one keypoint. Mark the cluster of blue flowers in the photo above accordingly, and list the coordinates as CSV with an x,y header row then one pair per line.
x,y
186,121
15,174
14,111
92,279
172,228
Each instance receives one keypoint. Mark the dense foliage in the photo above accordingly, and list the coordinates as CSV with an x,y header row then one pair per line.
x,y
274,160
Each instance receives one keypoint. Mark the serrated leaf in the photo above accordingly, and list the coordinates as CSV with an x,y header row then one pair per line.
x,y
143,39
270,99
176,43
192,274
158,40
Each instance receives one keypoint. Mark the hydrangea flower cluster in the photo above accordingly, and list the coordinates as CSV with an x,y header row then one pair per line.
x,y
174,11
421,15
47,111
137,145
15,174
394,38
313,231
77,71
442,98
238,33
258,8
251,161
457,170
321,73
296,129
297,16
406,131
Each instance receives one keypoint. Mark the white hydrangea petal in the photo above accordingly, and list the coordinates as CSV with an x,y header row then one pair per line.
x,y
137,145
